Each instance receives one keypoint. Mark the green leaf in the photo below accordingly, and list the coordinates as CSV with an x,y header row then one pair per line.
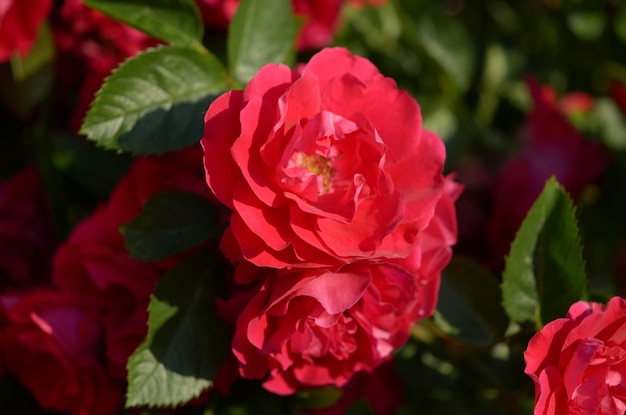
x,y
171,222
444,40
186,342
612,123
545,272
175,21
153,104
470,303
360,407
317,398
261,32
41,55
587,25
26,82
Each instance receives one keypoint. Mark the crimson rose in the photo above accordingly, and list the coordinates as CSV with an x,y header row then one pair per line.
x,y
578,363
319,327
322,167
53,346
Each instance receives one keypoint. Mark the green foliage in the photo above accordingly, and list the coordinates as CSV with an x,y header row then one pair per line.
x,y
186,342
317,398
261,32
171,222
545,271
612,122
470,303
150,104
360,407
174,21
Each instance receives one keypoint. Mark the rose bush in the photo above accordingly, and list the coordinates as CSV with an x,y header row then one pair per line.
x,y
53,346
323,166
19,25
578,363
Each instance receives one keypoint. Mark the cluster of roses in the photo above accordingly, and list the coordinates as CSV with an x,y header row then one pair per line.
x,y
342,221
341,225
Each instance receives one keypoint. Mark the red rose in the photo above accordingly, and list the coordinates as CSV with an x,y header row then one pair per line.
x,y
322,167
94,269
53,346
26,237
318,327
552,146
320,18
578,363
19,24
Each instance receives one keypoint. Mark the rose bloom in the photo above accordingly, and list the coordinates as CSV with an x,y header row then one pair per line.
x,y
320,18
313,327
551,146
318,327
53,346
19,24
322,167
26,237
94,269
578,363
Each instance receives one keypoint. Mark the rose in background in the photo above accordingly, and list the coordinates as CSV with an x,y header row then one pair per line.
x,y
94,268
26,234
19,24
89,46
578,363
53,345
551,146
321,18
323,166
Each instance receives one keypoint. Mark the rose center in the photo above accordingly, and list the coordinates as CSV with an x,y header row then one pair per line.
x,y
319,166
